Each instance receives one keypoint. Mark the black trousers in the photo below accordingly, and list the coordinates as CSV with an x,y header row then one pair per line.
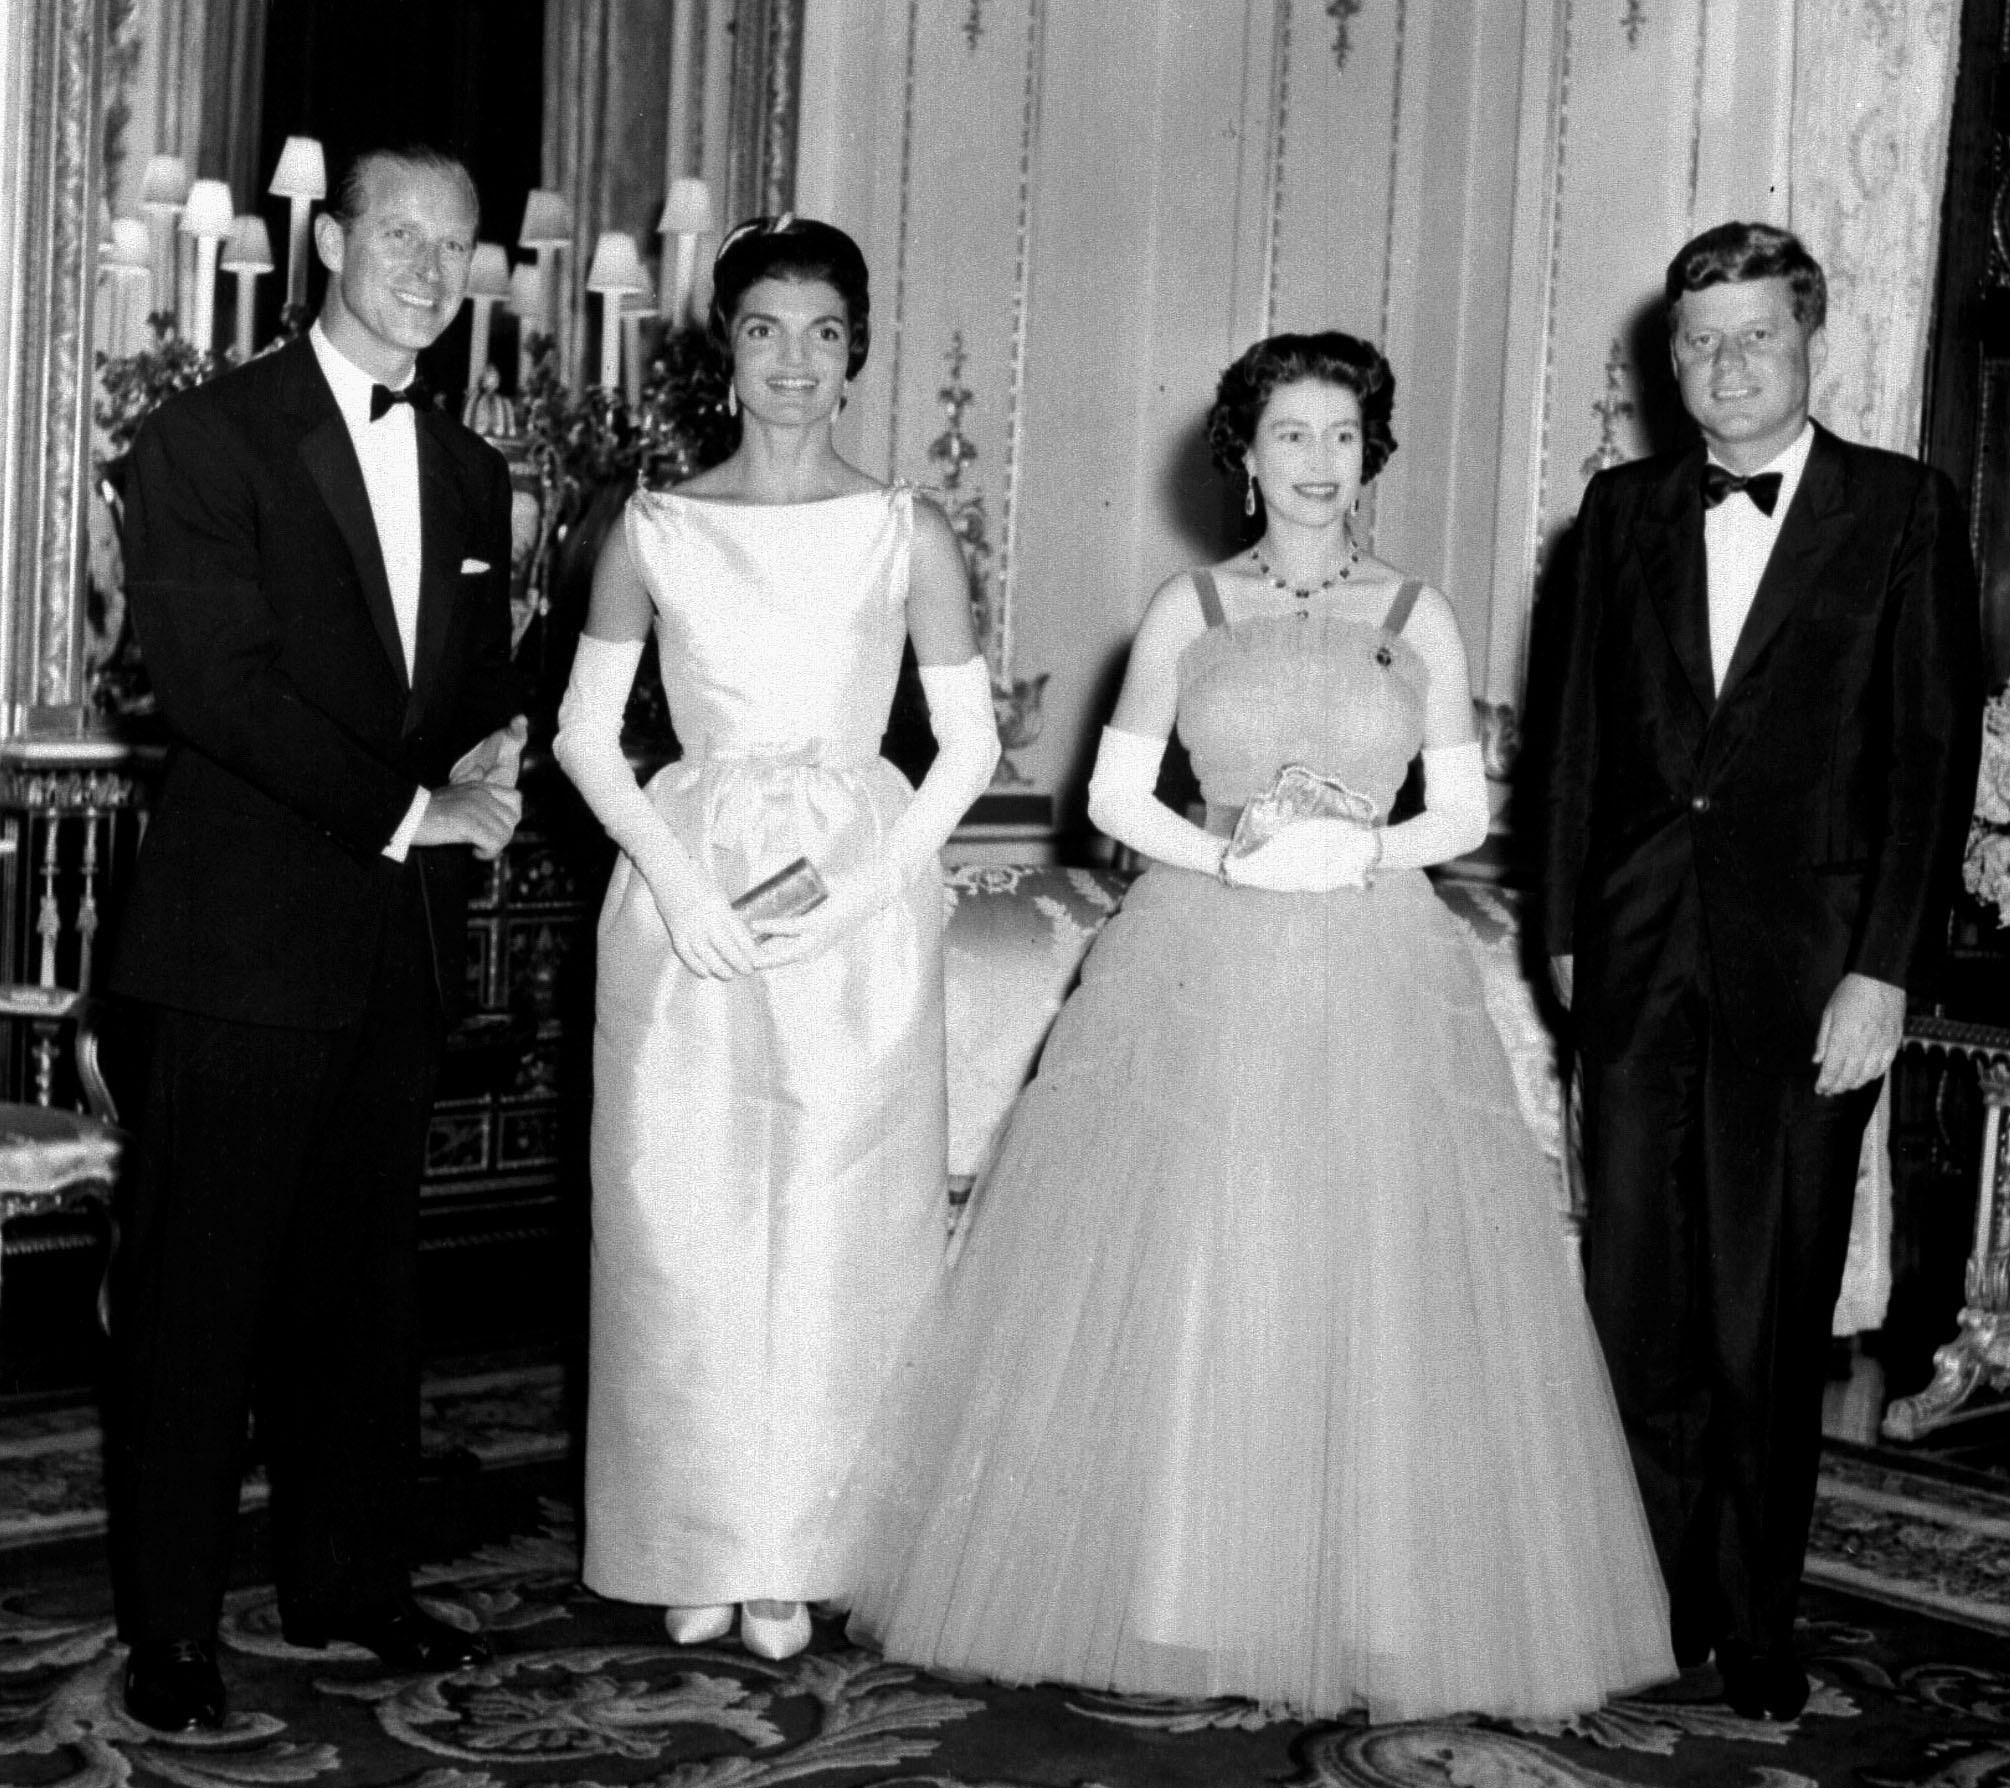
x,y
268,1257
1718,1217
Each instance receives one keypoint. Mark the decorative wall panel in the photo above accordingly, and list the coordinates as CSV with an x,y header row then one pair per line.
x,y
1088,210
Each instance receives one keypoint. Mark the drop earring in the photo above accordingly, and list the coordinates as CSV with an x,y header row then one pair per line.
x,y
732,400
1249,499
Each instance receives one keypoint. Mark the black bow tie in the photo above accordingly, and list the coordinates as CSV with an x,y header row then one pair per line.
x,y
382,397
1720,481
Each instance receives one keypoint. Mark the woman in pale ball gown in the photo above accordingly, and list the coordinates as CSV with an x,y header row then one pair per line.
x,y
1263,1371
768,1120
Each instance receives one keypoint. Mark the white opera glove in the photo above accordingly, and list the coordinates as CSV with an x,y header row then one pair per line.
x,y
1316,856
965,725
1455,816
708,936
1124,804
1310,856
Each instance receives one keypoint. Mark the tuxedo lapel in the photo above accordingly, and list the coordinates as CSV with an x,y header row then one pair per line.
x,y
442,533
330,459
1814,527
1669,539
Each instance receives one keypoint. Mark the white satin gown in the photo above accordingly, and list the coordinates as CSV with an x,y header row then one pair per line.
x,y
767,1152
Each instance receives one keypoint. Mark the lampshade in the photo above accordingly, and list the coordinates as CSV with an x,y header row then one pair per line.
x,y
488,271
247,249
208,211
302,172
526,291
128,250
689,211
617,265
547,221
164,187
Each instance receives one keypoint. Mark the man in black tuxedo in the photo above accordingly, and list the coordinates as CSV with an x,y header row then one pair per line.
x,y
318,576
1764,765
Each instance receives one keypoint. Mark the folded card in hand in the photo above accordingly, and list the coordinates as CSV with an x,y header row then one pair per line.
x,y
791,891
1298,793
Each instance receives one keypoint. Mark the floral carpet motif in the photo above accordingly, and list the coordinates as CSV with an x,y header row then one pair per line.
x,y
586,1693
1911,1664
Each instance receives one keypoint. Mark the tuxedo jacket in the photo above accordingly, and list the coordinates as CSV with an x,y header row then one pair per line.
x,y
1801,823
259,598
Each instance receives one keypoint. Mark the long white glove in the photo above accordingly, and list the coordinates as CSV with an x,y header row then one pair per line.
x,y
1122,802
965,725
708,936
1455,816
1319,855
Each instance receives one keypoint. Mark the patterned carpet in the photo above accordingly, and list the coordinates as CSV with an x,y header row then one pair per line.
x,y
1904,1637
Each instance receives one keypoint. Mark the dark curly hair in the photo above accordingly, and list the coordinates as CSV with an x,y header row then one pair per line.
x,y
1735,252
790,247
1330,357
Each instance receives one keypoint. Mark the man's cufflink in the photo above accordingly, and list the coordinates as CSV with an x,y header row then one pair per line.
x,y
470,567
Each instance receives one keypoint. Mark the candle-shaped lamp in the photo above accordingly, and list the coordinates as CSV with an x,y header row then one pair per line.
x,y
636,307
488,284
616,272
526,298
247,252
163,192
547,228
300,178
686,217
129,262
206,218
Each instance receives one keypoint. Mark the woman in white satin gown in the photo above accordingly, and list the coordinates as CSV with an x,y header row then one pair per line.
x,y
768,1124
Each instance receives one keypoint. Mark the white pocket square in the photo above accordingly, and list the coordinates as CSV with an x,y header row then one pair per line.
x,y
471,566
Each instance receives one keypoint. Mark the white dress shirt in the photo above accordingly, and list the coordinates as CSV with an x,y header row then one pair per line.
x,y
388,451
1738,539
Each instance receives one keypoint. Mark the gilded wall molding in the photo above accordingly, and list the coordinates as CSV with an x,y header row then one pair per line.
x,y
1343,13
1280,111
1552,295
52,107
1029,136
767,90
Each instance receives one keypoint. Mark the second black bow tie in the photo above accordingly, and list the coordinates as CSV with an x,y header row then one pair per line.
x,y
1720,481
382,397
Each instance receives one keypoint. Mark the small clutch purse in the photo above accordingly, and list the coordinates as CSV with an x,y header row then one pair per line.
x,y
1298,793
791,891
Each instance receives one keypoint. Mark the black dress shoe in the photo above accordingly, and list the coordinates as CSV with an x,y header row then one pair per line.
x,y
405,1638
1762,1685
172,1685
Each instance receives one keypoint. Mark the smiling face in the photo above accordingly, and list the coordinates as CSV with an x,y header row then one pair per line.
x,y
1306,452
1745,363
791,343
398,272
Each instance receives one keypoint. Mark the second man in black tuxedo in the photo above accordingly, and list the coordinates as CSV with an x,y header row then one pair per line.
x,y
318,576
1765,760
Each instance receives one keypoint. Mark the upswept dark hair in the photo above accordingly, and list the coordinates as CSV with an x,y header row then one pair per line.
x,y
1330,357
351,192
790,247
1735,252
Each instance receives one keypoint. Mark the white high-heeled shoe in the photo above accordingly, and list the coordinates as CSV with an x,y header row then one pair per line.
x,y
700,1624
767,1637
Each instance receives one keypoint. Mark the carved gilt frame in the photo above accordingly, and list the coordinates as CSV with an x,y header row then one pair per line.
x,y
50,57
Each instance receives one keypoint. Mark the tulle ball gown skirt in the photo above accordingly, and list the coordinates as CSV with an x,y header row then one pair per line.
x,y
768,1199
1264,1371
